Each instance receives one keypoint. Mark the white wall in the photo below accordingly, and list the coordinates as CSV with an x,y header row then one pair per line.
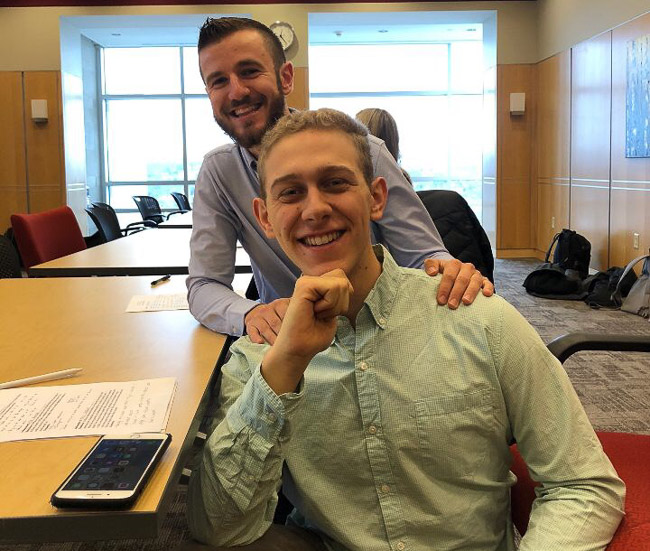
x,y
564,23
29,37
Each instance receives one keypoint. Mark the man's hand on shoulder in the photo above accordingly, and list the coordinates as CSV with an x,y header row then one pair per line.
x,y
308,327
461,281
264,321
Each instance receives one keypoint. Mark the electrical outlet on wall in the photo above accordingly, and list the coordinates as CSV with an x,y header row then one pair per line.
x,y
635,240
552,222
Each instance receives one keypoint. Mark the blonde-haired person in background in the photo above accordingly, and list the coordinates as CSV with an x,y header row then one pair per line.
x,y
382,125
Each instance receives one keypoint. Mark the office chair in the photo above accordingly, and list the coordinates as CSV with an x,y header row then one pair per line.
x,y
150,209
460,230
629,453
9,261
108,225
47,235
182,201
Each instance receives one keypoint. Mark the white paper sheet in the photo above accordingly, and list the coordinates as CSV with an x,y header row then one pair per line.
x,y
158,303
87,409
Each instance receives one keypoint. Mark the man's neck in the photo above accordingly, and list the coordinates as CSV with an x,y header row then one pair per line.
x,y
255,150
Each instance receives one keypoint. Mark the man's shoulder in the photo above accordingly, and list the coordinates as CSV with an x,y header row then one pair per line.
x,y
422,290
375,144
222,151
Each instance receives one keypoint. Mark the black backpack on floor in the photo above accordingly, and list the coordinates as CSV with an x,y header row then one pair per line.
x,y
573,252
562,278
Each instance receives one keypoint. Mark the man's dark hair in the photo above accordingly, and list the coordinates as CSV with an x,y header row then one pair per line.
x,y
216,29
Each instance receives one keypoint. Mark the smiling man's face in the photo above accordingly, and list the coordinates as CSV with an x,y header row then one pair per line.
x,y
246,93
318,205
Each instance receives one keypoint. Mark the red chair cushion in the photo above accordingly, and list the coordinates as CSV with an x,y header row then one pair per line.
x,y
630,455
47,235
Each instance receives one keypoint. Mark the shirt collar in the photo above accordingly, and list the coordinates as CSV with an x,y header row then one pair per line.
x,y
249,160
382,296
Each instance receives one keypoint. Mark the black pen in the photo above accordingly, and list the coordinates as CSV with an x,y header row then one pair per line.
x,y
160,280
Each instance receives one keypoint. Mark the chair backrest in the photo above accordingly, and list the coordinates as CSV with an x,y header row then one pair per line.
x,y
105,218
47,235
9,261
182,201
460,230
149,208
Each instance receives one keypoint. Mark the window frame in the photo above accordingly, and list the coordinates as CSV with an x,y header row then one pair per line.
x,y
105,185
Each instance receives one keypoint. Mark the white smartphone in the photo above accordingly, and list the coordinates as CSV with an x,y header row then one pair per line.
x,y
113,472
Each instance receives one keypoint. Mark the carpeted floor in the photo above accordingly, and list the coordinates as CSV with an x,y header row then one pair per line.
x,y
614,388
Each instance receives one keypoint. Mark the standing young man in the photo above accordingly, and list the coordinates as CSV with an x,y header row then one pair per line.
x,y
247,79
393,414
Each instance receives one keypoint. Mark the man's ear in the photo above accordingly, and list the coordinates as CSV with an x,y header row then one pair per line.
x,y
378,197
286,77
262,215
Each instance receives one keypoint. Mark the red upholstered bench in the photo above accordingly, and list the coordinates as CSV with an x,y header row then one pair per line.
x,y
630,455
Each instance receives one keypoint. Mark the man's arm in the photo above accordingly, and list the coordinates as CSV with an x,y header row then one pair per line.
x,y
580,501
233,494
212,262
233,491
407,231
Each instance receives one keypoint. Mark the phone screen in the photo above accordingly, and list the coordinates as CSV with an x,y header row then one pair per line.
x,y
114,465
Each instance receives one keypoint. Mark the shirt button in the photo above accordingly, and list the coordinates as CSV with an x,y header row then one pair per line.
x,y
372,429
363,366
272,417
400,546
382,321
385,488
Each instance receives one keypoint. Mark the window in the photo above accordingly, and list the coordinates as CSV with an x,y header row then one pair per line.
x,y
157,123
434,92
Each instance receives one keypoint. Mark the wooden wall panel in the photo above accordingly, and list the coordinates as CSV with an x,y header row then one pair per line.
x,y
553,131
13,191
630,195
45,172
515,137
299,98
590,144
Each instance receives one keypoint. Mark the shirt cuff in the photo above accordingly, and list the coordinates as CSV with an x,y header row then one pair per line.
x,y
261,409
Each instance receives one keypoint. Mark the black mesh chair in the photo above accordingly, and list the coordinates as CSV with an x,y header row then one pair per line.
x,y
182,201
150,209
9,260
460,230
108,225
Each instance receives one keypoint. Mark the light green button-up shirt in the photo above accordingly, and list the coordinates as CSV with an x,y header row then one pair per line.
x,y
398,436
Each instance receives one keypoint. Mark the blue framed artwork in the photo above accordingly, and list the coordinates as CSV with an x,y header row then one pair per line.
x,y
637,101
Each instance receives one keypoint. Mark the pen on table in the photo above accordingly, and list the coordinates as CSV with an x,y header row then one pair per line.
x,y
64,374
160,280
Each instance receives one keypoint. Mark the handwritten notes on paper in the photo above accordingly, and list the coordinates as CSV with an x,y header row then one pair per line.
x,y
158,303
87,409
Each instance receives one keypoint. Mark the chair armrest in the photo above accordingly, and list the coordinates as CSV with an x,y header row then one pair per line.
x,y
176,212
134,227
569,344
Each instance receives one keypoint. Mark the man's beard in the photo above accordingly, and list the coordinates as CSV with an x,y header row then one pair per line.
x,y
277,107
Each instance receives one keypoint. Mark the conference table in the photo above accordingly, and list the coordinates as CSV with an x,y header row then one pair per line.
x,y
49,324
182,220
149,252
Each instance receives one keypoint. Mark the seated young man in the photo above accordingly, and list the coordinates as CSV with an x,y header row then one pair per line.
x,y
393,414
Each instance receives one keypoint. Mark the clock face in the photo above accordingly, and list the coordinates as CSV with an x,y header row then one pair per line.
x,y
285,33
